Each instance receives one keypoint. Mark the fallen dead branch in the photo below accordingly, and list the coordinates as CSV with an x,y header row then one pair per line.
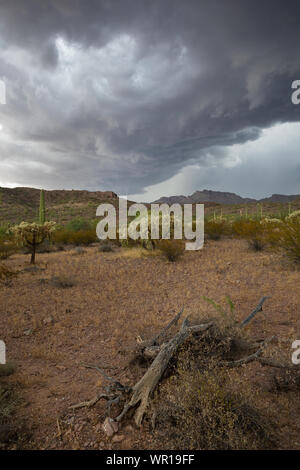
x,y
174,321
250,358
89,403
115,384
161,354
113,390
257,309
265,361
145,387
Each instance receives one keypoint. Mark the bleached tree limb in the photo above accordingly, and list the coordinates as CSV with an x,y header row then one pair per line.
x,y
89,403
265,361
174,321
147,384
250,358
257,309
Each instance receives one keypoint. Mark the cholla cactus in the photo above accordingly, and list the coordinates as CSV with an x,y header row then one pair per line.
x,y
269,220
32,234
293,215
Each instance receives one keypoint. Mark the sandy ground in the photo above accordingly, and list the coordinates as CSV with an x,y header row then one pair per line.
x,y
50,331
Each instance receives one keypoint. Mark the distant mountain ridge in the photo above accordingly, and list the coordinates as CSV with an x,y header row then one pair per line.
x,y
22,203
222,197
25,195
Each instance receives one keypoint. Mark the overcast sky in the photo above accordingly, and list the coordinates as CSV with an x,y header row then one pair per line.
x,y
150,98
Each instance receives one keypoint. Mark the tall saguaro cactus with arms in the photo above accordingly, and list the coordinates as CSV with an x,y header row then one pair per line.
x,y
42,211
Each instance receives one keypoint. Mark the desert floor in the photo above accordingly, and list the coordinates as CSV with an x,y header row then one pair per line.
x,y
51,330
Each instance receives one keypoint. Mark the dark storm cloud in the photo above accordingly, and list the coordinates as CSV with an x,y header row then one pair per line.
x,y
124,94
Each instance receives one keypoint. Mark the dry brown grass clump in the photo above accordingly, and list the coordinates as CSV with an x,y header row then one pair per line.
x,y
201,410
6,273
62,281
14,434
117,297
201,406
105,248
7,249
172,249
8,402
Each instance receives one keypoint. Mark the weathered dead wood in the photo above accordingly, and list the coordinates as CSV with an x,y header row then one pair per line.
x,y
174,321
89,403
147,384
161,355
257,309
115,384
112,395
266,361
151,351
250,358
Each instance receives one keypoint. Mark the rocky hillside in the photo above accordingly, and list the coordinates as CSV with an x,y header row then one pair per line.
x,y
18,204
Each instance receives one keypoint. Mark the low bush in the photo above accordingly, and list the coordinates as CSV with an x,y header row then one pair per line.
x,y
129,243
62,281
201,410
79,251
7,249
246,228
257,243
105,248
78,224
215,229
6,273
290,239
172,249
81,237
3,231
251,230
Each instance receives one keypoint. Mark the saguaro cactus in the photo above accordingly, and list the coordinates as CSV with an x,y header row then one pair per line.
x,y
42,210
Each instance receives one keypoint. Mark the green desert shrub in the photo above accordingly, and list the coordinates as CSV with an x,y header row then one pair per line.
x,y
215,229
4,232
272,231
246,228
252,231
84,237
80,237
78,224
290,239
61,236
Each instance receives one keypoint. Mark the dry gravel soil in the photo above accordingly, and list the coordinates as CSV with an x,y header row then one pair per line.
x,y
97,306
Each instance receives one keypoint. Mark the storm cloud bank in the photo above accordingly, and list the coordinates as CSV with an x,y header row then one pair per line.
x,y
125,94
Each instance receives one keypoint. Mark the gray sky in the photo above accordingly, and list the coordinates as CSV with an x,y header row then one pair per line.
x,y
150,98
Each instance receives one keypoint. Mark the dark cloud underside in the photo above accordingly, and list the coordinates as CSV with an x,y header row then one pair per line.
x,y
124,94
